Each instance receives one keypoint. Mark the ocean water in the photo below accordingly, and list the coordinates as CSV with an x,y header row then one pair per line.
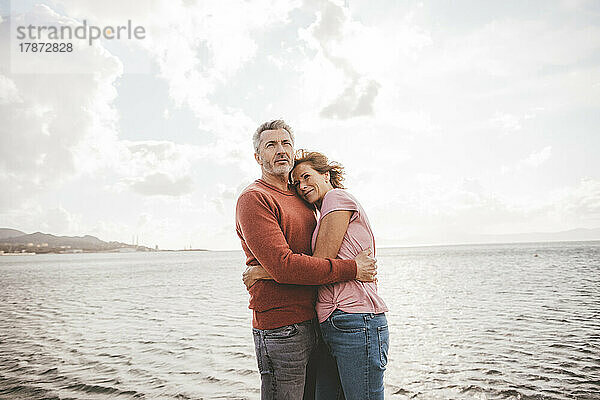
x,y
515,321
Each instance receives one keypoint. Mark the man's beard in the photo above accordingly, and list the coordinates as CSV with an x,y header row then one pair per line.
x,y
281,169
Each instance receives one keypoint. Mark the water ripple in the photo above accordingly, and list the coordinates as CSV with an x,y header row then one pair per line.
x,y
466,322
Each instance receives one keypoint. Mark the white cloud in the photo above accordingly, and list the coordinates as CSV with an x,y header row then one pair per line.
x,y
162,184
580,203
356,100
156,167
327,34
37,218
226,198
159,155
49,118
210,44
498,47
506,122
537,158
143,220
198,47
435,211
60,220
8,91
532,161
278,62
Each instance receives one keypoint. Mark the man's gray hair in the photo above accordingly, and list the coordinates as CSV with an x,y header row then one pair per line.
x,y
268,126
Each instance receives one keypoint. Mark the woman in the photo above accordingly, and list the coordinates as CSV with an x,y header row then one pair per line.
x,y
351,314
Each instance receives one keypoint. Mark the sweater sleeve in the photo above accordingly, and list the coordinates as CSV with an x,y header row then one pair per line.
x,y
259,227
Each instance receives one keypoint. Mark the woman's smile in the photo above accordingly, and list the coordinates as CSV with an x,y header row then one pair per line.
x,y
310,184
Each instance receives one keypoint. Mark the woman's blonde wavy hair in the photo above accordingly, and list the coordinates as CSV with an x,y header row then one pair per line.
x,y
320,163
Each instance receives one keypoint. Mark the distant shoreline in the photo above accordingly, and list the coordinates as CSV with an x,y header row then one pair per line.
x,y
548,242
78,251
487,243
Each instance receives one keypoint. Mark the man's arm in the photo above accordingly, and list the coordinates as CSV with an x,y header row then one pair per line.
x,y
329,240
263,236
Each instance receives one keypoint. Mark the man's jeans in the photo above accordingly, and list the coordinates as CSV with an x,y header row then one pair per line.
x,y
358,344
283,355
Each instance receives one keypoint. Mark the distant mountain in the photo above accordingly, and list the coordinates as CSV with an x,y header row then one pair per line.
x,y
47,241
8,233
51,240
570,235
579,234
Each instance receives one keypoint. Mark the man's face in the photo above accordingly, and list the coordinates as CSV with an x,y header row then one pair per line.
x,y
275,152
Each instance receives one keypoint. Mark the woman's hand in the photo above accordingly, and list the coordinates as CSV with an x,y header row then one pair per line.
x,y
366,267
253,274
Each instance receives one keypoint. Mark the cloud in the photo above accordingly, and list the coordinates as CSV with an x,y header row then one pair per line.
x,y
532,161
580,203
60,220
8,91
157,167
226,197
143,219
34,218
198,48
498,48
48,119
431,209
58,127
506,122
162,184
332,27
430,206
356,100
537,158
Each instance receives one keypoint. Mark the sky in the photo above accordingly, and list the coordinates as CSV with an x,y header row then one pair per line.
x,y
450,117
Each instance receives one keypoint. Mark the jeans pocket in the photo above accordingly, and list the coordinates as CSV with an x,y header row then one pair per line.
x,y
383,335
347,322
262,356
285,332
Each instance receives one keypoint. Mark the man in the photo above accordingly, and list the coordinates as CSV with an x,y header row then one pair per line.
x,y
275,227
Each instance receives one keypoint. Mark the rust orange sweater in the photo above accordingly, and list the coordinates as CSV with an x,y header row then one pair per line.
x,y
275,228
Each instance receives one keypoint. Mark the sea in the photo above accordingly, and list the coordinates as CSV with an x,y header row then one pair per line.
x,y
502,321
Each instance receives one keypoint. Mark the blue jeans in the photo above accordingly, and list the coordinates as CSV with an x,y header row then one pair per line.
x,y
283,355
354,364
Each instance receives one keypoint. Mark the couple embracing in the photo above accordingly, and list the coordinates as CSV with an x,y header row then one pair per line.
x,y
318,323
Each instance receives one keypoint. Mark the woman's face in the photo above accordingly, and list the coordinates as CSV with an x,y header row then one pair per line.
x,y
310,184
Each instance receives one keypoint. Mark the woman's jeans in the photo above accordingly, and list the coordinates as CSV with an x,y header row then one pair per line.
x,y
354,365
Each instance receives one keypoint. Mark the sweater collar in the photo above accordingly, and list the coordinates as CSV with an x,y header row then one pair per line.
x,y
287,193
